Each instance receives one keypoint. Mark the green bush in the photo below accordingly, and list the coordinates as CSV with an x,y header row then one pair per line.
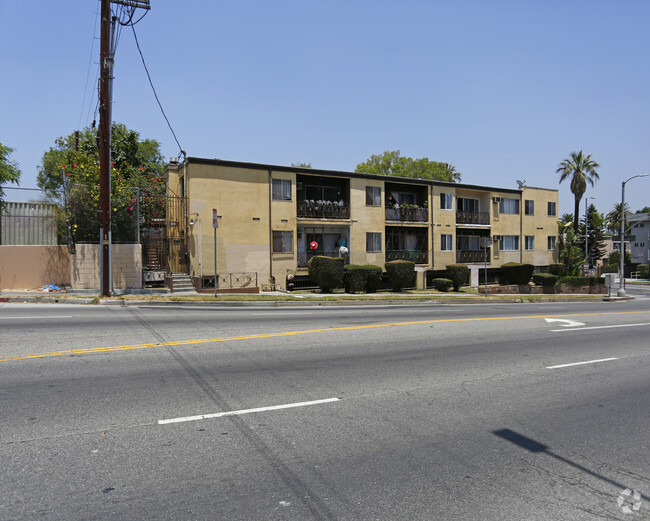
x,y
458,274
610,268
557,269
442,284
643,270
374,277
400,273
515,273
578,281
545,279
327,272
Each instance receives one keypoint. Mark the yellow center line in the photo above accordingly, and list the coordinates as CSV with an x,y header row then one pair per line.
x,y
294,333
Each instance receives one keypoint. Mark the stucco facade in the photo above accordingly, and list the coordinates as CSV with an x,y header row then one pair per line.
x,y
272,219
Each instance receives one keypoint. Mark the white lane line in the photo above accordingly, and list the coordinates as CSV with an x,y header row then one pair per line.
x,y
599,327
581,363
36,318
246,411
276,313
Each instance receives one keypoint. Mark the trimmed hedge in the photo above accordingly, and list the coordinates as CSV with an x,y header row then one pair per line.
x,y
643,270
557,269
400,273
515,273
458,274
360,279
545,279
327,272
578,281
374,277
610,268
442,284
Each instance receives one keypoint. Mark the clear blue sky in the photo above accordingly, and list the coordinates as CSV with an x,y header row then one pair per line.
x,y
503,90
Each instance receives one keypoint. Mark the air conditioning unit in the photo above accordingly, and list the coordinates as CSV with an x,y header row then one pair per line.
x,y
496,199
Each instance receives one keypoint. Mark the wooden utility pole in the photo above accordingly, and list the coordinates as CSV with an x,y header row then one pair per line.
x,y
106,67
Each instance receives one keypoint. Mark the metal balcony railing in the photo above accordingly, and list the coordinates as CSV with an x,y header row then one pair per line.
x,y
418,257
323,209
465,256
472,217
407,213
304,257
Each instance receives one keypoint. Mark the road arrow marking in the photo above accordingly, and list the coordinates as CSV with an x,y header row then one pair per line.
x,y
567,323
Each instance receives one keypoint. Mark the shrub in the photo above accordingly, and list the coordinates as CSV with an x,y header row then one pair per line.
x,y
400,273
355,279
610,268
442,284
545,279
643,270
374,278
515,273
458,274
327,272
556,269
577,281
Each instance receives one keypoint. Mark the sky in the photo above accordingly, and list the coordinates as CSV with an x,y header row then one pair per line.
x,y
503,90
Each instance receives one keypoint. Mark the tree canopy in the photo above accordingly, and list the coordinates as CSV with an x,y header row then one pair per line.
x,y
9,171
392,163
580,169
137,170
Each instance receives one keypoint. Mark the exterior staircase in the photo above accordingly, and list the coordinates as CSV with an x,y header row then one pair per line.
x,y
182,284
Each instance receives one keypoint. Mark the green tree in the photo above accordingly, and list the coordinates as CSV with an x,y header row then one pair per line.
x,y
613,218
392,163
645,209
137,169
596,232
9,171
580,169
301,165
571,255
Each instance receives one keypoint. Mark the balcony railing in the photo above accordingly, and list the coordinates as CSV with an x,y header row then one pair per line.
x,y
418,257
472,217
407,213
305,256
323,209
464,256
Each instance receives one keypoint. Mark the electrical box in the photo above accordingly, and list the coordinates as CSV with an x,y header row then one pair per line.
x,y
609,279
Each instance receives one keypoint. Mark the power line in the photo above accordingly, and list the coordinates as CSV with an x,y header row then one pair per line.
x,y
180,148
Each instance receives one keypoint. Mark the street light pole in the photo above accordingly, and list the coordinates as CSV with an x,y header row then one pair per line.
x,y
621,280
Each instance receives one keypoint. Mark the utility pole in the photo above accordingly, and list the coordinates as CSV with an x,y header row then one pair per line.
x,y
105,145
106,59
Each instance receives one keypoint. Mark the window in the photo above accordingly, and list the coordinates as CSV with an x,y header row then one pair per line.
x,y
282,242
373,242
509,205
551,209
529,207
467,205
509,242
446,201
446,242
529,242
373,196
551,241
281,190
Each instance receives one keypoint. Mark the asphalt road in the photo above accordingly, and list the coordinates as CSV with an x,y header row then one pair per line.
x,y
416,412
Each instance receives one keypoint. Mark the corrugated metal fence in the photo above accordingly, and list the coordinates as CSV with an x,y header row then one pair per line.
x,y
28,224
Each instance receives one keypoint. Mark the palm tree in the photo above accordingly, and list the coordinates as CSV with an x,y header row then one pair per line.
x,y
581,169
613,219
451,171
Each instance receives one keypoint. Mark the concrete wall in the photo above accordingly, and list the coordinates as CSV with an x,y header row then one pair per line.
x,y
126,260
31,267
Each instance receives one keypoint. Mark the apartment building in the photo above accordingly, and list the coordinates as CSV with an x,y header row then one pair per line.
x,y
272,219
639,226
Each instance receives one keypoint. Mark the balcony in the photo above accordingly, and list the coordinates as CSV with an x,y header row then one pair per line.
x,y
310,209
407,214
472,256
305,256
416,256
472,217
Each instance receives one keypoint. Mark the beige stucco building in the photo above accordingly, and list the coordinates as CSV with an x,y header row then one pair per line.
x,y
273,219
